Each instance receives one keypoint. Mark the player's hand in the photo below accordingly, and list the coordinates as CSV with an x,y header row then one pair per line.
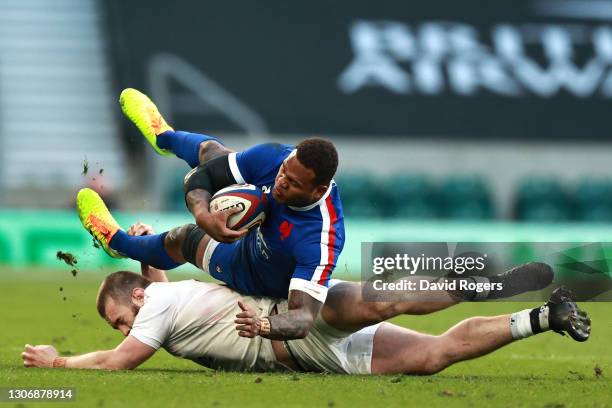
x,y
215,225
139,229
247,322
39,356
152,274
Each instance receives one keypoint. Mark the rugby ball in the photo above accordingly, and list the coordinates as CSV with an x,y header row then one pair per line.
x,y
249,199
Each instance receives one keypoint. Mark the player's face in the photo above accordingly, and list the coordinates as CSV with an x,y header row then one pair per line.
x,y
294,184
120,316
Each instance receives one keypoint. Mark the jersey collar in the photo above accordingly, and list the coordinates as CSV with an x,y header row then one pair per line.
x,y
313,205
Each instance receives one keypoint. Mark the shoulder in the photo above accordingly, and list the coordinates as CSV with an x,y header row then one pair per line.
x,y
258,164
170,294
161,291
160,297
265,151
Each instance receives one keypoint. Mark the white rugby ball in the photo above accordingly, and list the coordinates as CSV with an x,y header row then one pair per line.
x,y
249,199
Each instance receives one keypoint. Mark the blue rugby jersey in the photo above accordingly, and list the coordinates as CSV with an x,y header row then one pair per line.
x,y
296,248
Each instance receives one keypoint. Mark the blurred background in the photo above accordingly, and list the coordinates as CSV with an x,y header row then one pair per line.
x,y
460,120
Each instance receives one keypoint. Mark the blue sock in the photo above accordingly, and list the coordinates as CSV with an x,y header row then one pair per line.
x,y
184,144
148,249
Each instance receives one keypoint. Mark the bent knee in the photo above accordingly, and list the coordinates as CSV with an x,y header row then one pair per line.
x,y
211,149
176,236
374,312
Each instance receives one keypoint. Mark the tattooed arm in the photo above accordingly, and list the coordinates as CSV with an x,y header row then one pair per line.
x,y
214,224
295,324
205,180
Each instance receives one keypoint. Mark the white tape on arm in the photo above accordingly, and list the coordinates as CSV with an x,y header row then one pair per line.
x,y
315,290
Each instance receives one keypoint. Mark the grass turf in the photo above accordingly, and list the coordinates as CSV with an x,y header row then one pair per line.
x,y
44,307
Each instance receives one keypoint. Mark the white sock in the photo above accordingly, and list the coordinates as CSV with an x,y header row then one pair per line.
x,y
528,322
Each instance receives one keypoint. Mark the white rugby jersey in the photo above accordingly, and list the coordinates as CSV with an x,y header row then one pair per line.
x,y
195,320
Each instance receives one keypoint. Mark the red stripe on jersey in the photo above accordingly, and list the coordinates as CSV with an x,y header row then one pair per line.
x,y
330,240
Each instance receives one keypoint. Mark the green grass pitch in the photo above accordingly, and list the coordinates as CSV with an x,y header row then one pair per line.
x,y
545,371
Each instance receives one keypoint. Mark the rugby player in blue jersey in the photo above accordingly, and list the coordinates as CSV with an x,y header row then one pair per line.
x,y
292,255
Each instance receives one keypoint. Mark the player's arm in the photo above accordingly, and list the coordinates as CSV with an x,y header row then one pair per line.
x,y
126,356
153,274
297,322
307,293
256,165
294,324
200,184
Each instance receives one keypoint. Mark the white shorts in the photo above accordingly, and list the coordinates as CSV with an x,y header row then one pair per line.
x,y
326,349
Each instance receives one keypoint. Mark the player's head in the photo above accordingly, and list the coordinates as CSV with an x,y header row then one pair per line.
x,y
304,176
120,297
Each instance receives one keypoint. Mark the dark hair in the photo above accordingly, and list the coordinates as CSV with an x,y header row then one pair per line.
x,y
320,156
119,286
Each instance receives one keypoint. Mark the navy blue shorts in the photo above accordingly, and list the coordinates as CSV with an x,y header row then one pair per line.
x,y
225,265
243,269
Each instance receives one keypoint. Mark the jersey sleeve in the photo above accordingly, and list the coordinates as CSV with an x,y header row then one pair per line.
x,y
259,164
314,265
153,323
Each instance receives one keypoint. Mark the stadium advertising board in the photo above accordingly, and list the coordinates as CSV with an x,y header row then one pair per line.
x,y
34,239
521,69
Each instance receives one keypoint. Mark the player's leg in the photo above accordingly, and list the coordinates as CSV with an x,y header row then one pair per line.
x,y
194,148
225,262
346,309
162,251
349,308
187,244
167,250
399,350
528,277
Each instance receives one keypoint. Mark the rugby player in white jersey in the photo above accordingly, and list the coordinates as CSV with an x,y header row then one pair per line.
x,y
199,321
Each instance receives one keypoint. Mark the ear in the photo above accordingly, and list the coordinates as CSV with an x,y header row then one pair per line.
x,y
320,192
138,295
